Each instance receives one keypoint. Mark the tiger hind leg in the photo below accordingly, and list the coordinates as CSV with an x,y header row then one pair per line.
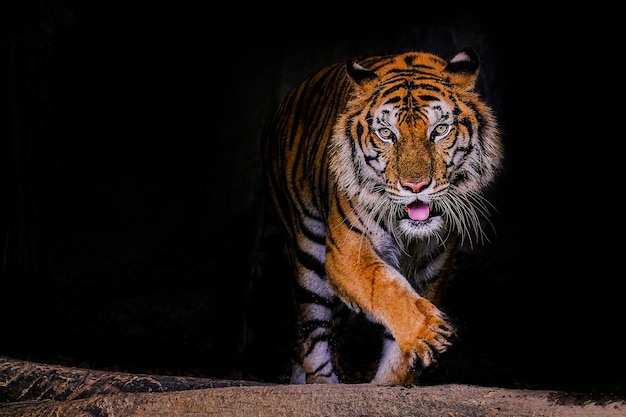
x,y
315,361
316,303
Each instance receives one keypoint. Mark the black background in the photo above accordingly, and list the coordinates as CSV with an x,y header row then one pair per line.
x,y
132,196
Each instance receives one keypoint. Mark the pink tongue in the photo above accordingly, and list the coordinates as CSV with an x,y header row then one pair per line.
x,y
418,211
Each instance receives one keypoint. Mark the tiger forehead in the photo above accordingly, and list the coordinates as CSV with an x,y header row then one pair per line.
x,y
421,59
415,62
412,93
414,80
388,114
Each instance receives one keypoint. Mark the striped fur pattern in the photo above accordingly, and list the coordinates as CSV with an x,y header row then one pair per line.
x,y
377,169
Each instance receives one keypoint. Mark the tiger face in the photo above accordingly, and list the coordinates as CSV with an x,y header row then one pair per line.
x,y
421,150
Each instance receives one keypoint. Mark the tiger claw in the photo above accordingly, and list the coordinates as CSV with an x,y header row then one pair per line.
x,y
417,365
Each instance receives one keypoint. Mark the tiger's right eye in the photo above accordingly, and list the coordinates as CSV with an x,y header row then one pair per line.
x,y
386,134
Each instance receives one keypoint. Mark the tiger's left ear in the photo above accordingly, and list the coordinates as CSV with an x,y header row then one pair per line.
x,y
360,75
463,69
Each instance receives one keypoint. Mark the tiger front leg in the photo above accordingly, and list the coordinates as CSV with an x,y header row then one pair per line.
x,y
419,329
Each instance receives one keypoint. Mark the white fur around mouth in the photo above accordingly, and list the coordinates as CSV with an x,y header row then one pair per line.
x,y
421,228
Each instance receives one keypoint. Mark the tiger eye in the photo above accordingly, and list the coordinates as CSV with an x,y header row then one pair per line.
x,y
385,133
441,129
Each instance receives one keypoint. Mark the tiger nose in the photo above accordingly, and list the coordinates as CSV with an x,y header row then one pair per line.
x,y
415,186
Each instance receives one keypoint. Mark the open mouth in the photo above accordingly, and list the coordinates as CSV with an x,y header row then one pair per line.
x,y
418,211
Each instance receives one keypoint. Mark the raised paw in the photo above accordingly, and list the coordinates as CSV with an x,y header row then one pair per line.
x,y
417,344
430,339
426,353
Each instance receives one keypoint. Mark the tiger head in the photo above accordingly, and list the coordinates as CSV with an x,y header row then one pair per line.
x,y
416,145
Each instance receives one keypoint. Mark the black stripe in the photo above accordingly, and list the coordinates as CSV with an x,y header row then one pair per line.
x,y
310,262
325,337
305,296
310,326
346,221
320,239
319,368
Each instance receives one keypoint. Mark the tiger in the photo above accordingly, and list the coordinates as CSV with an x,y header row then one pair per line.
x,y
377,168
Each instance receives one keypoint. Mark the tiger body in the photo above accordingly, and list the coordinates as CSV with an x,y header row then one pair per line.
x,y
376,170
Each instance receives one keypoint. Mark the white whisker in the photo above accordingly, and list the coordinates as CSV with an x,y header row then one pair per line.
x,y
464,212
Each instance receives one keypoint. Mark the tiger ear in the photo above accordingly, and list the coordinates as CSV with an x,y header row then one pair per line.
x,y
463,69
359,74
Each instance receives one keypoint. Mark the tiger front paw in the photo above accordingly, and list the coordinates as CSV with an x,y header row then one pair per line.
x,y
416,346
429,339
